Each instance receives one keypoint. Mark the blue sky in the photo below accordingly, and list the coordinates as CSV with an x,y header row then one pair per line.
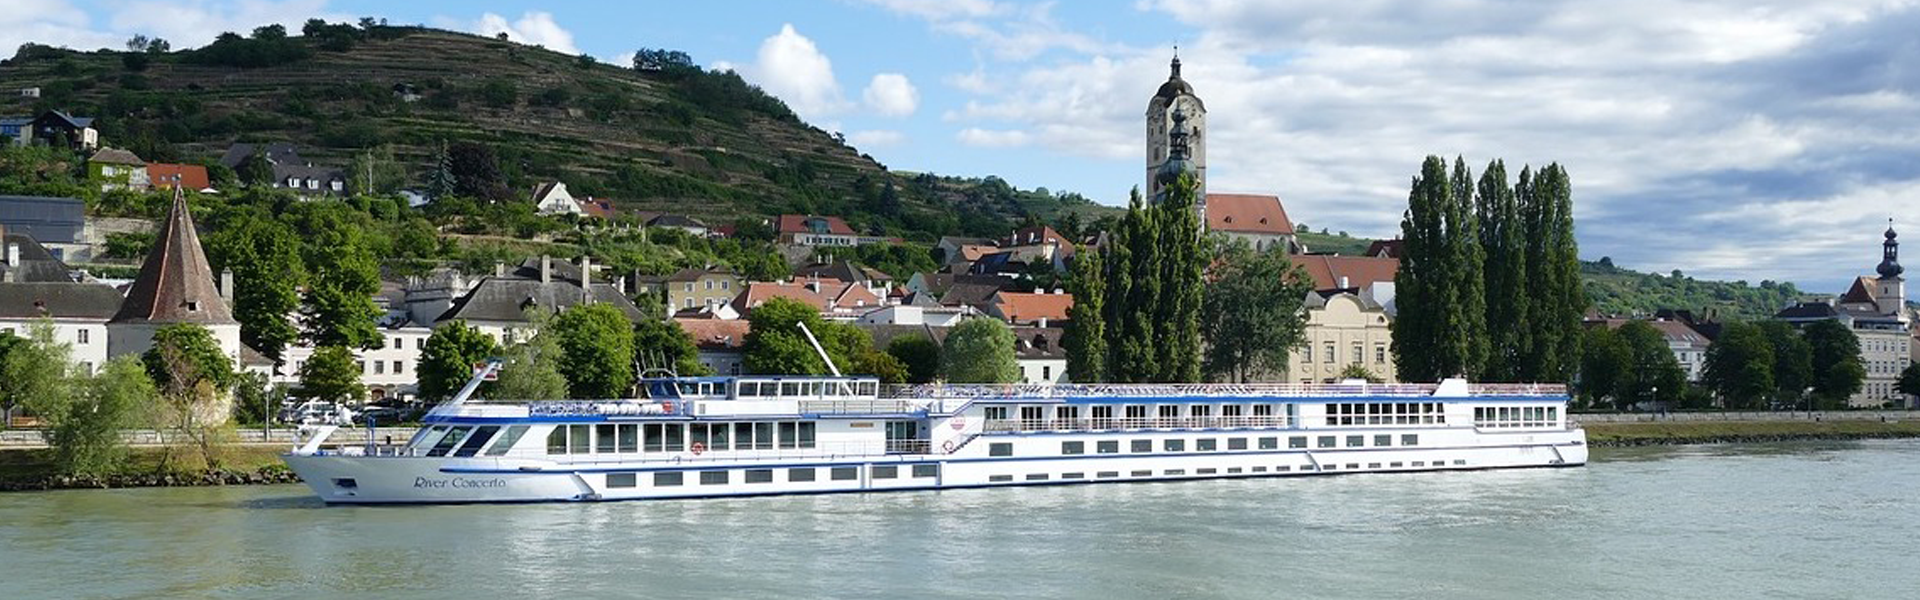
x,y
1731,139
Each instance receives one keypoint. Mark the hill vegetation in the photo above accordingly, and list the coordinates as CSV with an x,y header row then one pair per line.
x,y
660,135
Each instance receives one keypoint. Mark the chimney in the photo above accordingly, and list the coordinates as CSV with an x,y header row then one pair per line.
x,y
1043,322
499,269
620,283
13,254
1343,282
586,279
226,286
546,269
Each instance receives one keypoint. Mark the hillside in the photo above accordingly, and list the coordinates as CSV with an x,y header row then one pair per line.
x,y
672,138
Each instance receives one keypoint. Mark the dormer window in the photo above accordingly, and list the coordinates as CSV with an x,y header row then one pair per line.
x,y
193,306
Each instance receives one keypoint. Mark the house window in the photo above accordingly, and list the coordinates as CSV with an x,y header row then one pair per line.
x,y
1046,372
397,369
1328,357
1379,353
1359,353
399,342
84,335
379,368
1306,353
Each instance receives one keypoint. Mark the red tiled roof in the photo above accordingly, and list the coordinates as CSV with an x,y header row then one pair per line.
x,y
1360,271
1861,292
854,295
165,176
1020,307
759,292
175,284
1036,236
798,224
716,334
598,208
1247,213
1386,248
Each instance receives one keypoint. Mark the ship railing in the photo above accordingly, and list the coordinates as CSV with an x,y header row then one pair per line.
x,y
1158,390
861,407
685,455
1118,424
909,447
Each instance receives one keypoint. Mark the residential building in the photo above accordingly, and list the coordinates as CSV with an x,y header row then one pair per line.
x,y
810,230
168,176
1345,326
551,198
175,285
1039,244
499,305
929,313
1258,219
721,343
116,169
836,300
389,371
1042,356
685,223
963,250
1385,248
290,171
692,289
36,285
49,220
873,279
1037,309
1689,346
598,208
52,128
1875,309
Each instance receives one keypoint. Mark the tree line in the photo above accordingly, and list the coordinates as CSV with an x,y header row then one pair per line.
x,y
1488,286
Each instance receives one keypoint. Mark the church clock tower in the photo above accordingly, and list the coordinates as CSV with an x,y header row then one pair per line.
x,y
1176,95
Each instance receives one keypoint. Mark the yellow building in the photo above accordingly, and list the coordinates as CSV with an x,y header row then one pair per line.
x,y
693,289
1344,327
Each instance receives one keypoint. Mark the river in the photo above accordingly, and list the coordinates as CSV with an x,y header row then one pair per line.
x,y
1809,520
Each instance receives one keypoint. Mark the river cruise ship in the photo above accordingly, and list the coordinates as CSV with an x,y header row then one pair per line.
x,y
698,437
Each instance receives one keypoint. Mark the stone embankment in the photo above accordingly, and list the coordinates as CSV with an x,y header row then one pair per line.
x,y
1627,430
264,475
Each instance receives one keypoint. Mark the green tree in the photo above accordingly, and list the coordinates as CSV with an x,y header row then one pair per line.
x,y
1503,242
1182,281
597,341
1255,319
1086,335
980,351
332,374
774,344
919,355
1604,362
1792,362
86,435
375,172
1740,366
193,376
1360,372
531,370
255,170
1127,331
343,277
1909,380
1652,373
1426,332
446,364
1837,372
659,343
440,179
37,371
1465,261
264,255
1558,298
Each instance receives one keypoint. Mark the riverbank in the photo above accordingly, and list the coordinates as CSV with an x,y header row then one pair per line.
x,y
31,469
1656,433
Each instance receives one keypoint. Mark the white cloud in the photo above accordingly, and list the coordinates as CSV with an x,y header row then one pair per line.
x,y
534,27
876,138
792,68
891,94
991,138
183,23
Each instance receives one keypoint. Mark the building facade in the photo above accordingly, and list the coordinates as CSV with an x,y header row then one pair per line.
x,y
1875,309
1176,96
1345,327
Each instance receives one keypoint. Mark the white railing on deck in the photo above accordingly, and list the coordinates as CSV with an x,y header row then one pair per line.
x,y
860,407
1065,391
1012,425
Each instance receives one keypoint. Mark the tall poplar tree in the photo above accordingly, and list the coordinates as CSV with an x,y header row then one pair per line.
x,y
1182,275
1422,350
1566,295
1086,337
1466,260
1503,244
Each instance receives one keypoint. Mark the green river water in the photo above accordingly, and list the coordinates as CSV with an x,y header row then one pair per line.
x,y
1827,520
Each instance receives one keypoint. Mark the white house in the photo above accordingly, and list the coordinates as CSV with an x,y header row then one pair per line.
x,y
552,199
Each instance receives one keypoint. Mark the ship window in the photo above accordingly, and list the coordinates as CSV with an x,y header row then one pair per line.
x,y
1383,440
743,432
1143,473
1394,465
1073,447
1373,465
1353,465
1459,461
759,475
996,413
886,472
1174,445
799,474
807,434
999,478
453,438
676,437
604,438
1207,471
1233,469
1142,446
668,479
1176,471
1327,441
1081,475
1108,447
479,438
656,437
623,480
714,478
507,440
629,438
1260,469
846,473
763,436
717,436
1356,441
926,471
789,435
557,440
1298,441
697,435
1263,410
1036,477
1000,449
579,439
1419,463
1206,444
1409,439
789,388
1236,443
1107,474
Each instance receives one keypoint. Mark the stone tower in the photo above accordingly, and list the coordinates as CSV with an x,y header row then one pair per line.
x,y
1891,295
175,285
1176,95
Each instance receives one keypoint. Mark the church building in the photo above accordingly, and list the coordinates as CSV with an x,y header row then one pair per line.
x,y
1875,309
1176,132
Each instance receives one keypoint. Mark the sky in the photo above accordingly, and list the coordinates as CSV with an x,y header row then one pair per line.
x,y
1729,139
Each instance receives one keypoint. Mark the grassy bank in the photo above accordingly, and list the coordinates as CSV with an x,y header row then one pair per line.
x,y
1713,432
30,469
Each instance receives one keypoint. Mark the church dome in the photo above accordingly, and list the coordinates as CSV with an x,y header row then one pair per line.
x,y
1175,86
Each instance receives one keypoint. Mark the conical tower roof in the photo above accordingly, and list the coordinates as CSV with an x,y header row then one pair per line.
x,y
175,284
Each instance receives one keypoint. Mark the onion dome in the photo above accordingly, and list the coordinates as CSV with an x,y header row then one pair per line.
x,y
1890,262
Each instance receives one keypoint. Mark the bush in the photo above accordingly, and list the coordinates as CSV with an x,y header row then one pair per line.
x,y
498,93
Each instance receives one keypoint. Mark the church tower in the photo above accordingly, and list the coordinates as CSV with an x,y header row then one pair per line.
x,y
1892,293
1176,96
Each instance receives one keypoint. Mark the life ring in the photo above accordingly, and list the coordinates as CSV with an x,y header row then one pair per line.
x,y
666,406
948,446
699,447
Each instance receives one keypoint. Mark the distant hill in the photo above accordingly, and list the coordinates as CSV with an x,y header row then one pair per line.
x,y
671,138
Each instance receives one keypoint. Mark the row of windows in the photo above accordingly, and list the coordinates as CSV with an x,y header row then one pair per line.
x,y
467,440
755,389
1329,355
1387,413
1066,412
1081,475
617,438
1069,448
1516,416
794,475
